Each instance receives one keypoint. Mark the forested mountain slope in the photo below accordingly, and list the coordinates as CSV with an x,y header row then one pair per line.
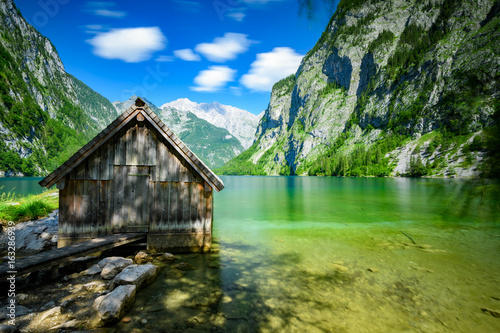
x,y
401,87
46,114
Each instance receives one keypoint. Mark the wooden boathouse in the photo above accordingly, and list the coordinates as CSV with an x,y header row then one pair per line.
x,y
136,176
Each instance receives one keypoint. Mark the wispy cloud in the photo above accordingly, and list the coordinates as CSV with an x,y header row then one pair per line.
x,y
129,44
271,67
237,14
164,58
213,79
95,28
102,8
225,48
190,6
187,55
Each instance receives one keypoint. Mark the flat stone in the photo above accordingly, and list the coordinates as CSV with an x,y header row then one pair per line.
x,y
139,275
111,266
50,313
111,307
69,324
95,269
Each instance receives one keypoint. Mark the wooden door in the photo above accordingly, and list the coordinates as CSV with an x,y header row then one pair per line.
x,y
131,198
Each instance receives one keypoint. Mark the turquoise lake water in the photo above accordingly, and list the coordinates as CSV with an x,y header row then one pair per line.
x,y
322,254
22,186
307,254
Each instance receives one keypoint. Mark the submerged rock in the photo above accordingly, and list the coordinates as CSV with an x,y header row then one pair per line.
x,y
141,258
139,275
111,307
184,266
167,257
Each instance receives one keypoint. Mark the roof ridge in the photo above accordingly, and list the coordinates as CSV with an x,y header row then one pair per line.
x,y
110,130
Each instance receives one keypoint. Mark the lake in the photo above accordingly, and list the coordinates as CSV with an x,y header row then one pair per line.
x,y
321,254
324,254
21,185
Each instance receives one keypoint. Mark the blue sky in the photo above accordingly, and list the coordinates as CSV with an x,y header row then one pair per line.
x,y
230,51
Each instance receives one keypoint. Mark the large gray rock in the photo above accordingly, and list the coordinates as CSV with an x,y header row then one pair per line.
x,y
113,265
111,307
34,236
139,275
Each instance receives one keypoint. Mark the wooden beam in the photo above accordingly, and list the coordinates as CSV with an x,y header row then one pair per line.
x,y
65,254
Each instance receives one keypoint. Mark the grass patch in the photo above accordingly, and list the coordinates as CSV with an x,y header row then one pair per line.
x,y
25,208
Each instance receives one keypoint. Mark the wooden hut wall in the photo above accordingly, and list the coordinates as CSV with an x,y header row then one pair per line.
x,y
136,182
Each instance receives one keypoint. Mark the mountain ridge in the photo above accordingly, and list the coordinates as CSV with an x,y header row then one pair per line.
x,y
46,113
391,88
240,123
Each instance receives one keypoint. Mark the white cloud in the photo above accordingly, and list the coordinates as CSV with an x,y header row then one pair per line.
x,y
101,8
164,58
129,44
187,55
271,67
237,14
109,13
225,48
213,79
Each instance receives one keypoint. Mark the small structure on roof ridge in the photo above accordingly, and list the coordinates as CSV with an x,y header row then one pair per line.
x,y
136,176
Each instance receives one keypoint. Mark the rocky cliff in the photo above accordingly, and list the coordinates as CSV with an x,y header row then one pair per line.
x,y
46,113
392,87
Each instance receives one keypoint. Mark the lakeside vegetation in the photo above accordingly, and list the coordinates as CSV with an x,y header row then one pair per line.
x,y
19,208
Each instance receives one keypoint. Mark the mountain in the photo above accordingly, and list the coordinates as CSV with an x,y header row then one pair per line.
x,y
46,114
240,123
401,87
213,145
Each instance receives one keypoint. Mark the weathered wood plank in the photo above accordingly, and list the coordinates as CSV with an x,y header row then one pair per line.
x,y
94,206
118,194
156,212
152,142
85,210
127,198
64,254
174,210
140,146
186,216
104,165
208,211
132,146
64,209
78,202
165,192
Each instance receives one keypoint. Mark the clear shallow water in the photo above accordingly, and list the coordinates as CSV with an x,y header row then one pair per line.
x,y
306,254
21,185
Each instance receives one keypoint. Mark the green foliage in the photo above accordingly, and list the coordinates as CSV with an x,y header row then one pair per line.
x,y
241,164
31,207
60,137
361,161
212,144
417,167
492,142
287,84
384,37
331,88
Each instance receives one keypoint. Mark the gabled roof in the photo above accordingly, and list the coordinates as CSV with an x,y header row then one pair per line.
x,y
142,108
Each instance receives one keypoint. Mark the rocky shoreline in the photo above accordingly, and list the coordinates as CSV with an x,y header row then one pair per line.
x,y
90,292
